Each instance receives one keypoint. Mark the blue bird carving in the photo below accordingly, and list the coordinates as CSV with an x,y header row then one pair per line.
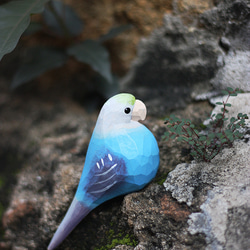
x,y
122,157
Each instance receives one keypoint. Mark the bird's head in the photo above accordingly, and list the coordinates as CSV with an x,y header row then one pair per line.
x,y
120,111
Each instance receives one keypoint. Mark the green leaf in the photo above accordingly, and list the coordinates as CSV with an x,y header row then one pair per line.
x,y
202,138
62,19
211,135
175,126
228,105
179,129
219,103
233,119
220,135
238,91
14,19
39,60
33,28
191,143
173,136
233,94
172,129
230,89
115,31
237,125
174,118
224,92
194,153
219,116
223,140
166,134
196,131
189,132
94,54
182,138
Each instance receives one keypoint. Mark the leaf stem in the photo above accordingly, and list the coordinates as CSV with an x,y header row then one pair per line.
x,y
59,19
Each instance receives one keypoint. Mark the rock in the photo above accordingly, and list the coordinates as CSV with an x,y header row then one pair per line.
x,y
170,64
230,21
54,140
46,140
219,191
235,73
143,15
194,6
239,104
159,221
181,61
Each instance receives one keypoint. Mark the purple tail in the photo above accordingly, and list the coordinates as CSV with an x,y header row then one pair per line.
x,y
76,212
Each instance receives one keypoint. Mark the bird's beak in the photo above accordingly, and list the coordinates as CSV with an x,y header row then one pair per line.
x,y
139,111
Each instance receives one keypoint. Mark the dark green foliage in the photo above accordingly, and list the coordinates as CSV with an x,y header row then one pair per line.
x,y
14,20
62,19
38,60
92,53
61,23
205,145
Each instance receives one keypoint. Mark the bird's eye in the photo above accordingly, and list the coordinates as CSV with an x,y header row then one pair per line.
x,y
127,110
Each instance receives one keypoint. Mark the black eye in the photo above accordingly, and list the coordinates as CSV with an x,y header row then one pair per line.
x,y
127,110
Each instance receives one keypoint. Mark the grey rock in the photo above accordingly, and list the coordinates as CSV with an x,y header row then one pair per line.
x,y
171,64
239,104
219,190
222,186
236,72
205,205
52,141
238,230
178,62
230,21
185,179
159,221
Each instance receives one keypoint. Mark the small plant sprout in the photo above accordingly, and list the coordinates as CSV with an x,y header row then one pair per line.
x,y
219,133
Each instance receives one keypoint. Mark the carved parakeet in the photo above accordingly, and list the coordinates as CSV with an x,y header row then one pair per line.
x,y
122,157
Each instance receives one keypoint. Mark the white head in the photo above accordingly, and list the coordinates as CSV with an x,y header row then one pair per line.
x,y
120,111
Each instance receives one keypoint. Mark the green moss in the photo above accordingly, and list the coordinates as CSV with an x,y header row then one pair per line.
x,y
202,126
118,239
161,179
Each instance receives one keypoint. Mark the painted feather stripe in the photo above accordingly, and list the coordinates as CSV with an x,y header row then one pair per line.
x,y
104,173
110,157
104,189
104,180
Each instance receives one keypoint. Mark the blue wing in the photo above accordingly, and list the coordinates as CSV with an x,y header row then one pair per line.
x,y
105,175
